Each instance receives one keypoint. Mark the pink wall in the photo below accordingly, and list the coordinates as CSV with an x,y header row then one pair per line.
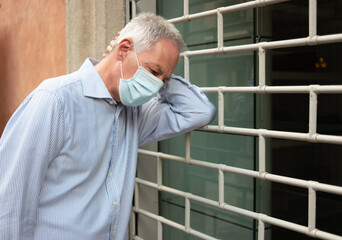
x,y
32,48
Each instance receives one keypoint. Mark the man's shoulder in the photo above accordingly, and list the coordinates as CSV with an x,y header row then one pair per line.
x,y
57,83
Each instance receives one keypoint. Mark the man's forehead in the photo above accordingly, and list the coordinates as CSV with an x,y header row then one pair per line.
x,y
162,57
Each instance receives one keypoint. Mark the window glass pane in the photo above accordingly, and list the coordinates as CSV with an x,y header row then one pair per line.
x,y
285,20
329,17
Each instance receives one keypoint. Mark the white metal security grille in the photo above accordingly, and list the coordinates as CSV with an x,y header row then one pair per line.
x,y
311,136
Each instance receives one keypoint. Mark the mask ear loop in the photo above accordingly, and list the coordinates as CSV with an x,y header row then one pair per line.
x,y
136,57
121,69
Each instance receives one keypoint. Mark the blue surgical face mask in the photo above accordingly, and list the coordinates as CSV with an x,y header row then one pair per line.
x,y
140,88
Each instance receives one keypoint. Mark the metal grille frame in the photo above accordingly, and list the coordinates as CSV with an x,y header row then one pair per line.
x,y
311,136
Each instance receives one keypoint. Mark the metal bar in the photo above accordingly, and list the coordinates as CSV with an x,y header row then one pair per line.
x,y
329,89
187,148
307,41
328,139
186,7
262,67
276,89
333,38
187,214
127,12
236,7
133,231
221,187
160,231
220,108
261,230
313,113
325,235
229,89
137,238
173,224
159,171
255,174
262,154
134,8
312,209
317,138
231,130
219,28
312,18
136,195
321,187
186,68
159,218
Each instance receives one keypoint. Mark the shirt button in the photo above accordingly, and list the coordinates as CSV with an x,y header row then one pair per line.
x,y
115,203
109,174
111,103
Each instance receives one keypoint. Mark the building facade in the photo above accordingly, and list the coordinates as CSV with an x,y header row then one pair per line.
x,y
268,167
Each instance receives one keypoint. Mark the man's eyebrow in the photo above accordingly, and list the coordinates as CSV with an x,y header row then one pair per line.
x,y
155,67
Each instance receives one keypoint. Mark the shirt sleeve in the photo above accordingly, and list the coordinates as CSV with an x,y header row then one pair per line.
x,y
182,108
31,140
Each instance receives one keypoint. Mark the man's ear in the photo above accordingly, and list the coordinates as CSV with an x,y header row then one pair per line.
x,y
123,47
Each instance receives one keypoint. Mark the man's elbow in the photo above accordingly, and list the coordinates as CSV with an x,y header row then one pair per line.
x,y
205,116
210,114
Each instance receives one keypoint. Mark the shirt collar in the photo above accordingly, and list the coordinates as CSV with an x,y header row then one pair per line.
x,y
93,85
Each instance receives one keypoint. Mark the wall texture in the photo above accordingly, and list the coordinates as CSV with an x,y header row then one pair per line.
x,y
90,26
39,41
32,48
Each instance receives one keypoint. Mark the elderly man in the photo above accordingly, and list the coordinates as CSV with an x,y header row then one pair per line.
x,y
68,154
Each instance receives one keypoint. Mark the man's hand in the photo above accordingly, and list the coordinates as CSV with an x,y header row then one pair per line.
x,y
110,46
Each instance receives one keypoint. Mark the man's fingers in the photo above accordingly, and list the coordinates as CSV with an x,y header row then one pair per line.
x,y
111,45
109,48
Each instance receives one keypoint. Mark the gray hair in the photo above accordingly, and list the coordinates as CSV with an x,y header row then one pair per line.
x,y
148,28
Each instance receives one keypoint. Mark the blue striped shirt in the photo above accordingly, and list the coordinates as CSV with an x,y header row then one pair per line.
x,y
68,155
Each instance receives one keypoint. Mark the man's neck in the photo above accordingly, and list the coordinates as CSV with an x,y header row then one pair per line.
x,y
106,69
